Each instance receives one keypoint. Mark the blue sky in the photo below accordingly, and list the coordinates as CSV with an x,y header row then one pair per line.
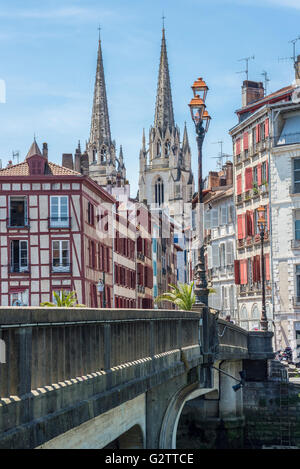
x,y
48,59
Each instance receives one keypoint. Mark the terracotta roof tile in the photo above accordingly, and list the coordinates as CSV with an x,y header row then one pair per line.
x,y
22,169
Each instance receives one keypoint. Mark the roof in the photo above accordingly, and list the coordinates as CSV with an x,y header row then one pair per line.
x,y
270,98
22,169
34,150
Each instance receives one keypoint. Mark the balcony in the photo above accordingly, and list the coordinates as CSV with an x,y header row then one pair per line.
x,y
249,241
60,268
17,268
163,270
240,243
239,199
17,223
59,222
141,289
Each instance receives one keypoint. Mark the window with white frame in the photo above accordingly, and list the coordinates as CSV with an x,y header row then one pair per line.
x,y
297,224
60,256
244,322
19,256
223,215
296,175
19,298
229,253
59,211
222,255
18,211
298,282
214,218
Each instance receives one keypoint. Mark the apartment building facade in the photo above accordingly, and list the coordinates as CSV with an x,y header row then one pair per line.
x,y
50,234
257,184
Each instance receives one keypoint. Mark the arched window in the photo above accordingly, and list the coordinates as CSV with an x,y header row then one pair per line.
x,y
255,314
103,154
94,155
244,320
158,148
167,147
159,192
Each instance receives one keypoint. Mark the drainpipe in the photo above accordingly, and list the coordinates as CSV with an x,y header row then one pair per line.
x,y
271,117
114,212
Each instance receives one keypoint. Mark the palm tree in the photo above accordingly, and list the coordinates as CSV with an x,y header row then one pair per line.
x,y
181,295
64,300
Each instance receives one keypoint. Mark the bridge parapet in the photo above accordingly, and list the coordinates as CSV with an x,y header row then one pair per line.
x,y
52,345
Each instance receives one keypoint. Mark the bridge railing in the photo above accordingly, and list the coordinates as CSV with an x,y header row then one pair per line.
x,y
51,345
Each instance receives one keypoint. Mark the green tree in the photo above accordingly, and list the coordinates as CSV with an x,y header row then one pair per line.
x,y
64,300
181,295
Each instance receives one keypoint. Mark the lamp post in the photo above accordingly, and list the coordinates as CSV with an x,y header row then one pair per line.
x,y
201,119
261,226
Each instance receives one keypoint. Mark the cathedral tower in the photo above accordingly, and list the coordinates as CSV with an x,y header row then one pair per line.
x,y
165,177
104,166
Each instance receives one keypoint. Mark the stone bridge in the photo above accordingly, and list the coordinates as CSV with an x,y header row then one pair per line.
x,y
98,378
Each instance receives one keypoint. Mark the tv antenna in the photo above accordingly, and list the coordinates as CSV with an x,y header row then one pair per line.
x,y
293,57
267,79
16,155
246,59
221,154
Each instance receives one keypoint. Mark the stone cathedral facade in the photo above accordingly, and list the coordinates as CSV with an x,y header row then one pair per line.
x,y
165,176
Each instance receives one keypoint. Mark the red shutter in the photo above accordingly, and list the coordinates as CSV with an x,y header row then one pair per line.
x,y
252,222
107,260
267,266
239,184
240,226
254,270
267,127
238,146
259,174
257,133
150,277
243,264
258,277
237,272
248,179
246,140
244,225
140,245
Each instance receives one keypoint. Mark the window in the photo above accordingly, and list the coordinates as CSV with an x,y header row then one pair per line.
x,y
19,256
264,175
18,211
158,147
215,218
159,191
222,255
167,147
19,298
60,256
255,179
298,282
103,154
297,224
90,213
59,211
223,215
244,317
296,175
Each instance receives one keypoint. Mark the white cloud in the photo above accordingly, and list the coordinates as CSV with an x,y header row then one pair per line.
x,y
54,14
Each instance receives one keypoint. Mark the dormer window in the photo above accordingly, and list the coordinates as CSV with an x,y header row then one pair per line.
x,y
36,165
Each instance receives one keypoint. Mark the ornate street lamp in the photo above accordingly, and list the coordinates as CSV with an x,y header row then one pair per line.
x,y
261,222
201,119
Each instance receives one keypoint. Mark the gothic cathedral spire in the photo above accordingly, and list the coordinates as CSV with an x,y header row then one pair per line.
x,y
100,128
164,116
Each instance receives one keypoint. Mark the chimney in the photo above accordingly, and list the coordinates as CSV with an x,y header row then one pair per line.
x,y
67,160
45,150
252,91
297,70
213,179
229,173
